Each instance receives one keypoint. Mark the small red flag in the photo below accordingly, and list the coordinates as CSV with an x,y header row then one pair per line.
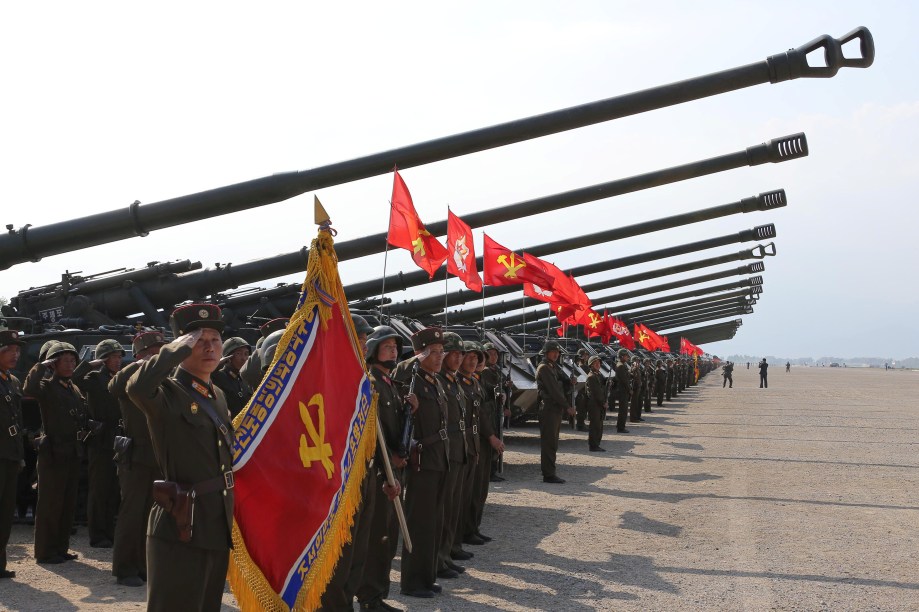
x,y
504,267
621,331
406,230
461,260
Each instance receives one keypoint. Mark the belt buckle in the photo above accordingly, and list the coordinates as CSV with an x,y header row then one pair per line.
x,y
228,479
443,433
462,425
223,429
14,431
8,399
475,429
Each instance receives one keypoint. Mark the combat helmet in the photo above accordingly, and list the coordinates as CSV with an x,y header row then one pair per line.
x,y
107,347
235,343
471,346
266,352
624,353
452,342
550,345
377,336
361,326
59,348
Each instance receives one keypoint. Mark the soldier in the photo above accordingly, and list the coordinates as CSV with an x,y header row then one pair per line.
x,y
137,470
254,368
489,443
384,346
236,352
596,404
456,431
92,377
788,366
189,424
728,370
64,426
475,404
493,385
668,386
623,388
647,388
636,401
660,381
552,403
763,369
580,400
11,448
429,463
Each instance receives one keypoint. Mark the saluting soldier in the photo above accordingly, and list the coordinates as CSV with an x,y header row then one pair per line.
x,y
623,388
429,463
11,449
490,444
92,377
597,404
137,469
64,427
384,346
187,556
237,391
553,403
456,432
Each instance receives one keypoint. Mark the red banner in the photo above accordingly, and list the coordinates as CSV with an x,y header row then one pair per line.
x,y
461,261
406,230
504,267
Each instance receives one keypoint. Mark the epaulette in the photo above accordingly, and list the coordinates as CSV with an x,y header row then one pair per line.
x,y
429,378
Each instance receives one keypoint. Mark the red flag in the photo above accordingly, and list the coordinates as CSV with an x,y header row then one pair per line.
x,y
504,267
685,346
648,339
593,323
461,261
406,230
621,331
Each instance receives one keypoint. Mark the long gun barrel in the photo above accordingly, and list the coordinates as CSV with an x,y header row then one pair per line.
x,y
32,243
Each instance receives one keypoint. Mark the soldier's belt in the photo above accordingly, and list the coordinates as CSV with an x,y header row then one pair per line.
x,y
14,431
475,429
223,482
440,435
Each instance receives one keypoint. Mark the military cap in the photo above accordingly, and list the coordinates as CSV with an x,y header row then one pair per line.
x,y
474,347
361,326
107,347
59,348
43,353
623,352
593,360
551,345
427,337
452,342
379,334
273,326
190,317
231,344
9,337
148,339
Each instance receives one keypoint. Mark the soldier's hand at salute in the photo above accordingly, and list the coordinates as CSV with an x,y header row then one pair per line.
x,y
49,362
392,492
396,461
412,400
190,338
96,362
496,444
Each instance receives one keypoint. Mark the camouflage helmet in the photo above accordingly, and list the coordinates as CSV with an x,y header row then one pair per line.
x,y
624,353
43,353
107,347
452,342
470,346
550,345
594,359
583,352
361,326
489,346
266,352
231,344
380,333
59,348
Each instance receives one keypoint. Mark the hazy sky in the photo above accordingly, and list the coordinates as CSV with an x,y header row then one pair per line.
x,y
107,103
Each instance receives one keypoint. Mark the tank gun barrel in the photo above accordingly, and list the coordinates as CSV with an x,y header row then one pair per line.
x,y
32,243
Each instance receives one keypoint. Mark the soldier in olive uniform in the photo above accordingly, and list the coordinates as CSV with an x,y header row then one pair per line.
x,y
11,449
660,381
489,443
636,401
553,403
647,388
493,385
137,470
426,476
596,404
475,400
581,398
192,437
384,346
623,388
92,377
456,431
254,367
237,391
64,424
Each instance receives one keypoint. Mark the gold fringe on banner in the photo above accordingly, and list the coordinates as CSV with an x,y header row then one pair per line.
x,y
322,289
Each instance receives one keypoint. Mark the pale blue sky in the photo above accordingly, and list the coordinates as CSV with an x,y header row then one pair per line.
x,y
106,103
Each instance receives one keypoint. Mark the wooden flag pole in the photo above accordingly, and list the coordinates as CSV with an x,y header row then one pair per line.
x,y
397,502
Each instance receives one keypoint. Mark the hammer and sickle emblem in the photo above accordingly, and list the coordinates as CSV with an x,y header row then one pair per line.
x,y
512,265
320,450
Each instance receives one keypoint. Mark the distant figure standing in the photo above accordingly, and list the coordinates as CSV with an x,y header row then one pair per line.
x,y
763,367
748,365
788,366
728,375
886,367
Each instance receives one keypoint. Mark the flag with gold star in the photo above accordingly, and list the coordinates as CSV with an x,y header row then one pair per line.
x,y
406,230
301,450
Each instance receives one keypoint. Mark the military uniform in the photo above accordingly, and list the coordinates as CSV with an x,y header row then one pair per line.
x,y
660,382
486,426
424,510
11,448
596,407
474,460
193,452
234,387
553,404
763,372
63,416
623,391
453,486
636,401
103,479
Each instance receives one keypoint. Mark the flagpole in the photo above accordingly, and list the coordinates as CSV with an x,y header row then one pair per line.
x,y
391,480
385,259
523,313
446,296
483,310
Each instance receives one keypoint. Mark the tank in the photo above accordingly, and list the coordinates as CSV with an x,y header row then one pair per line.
x,y
32,243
